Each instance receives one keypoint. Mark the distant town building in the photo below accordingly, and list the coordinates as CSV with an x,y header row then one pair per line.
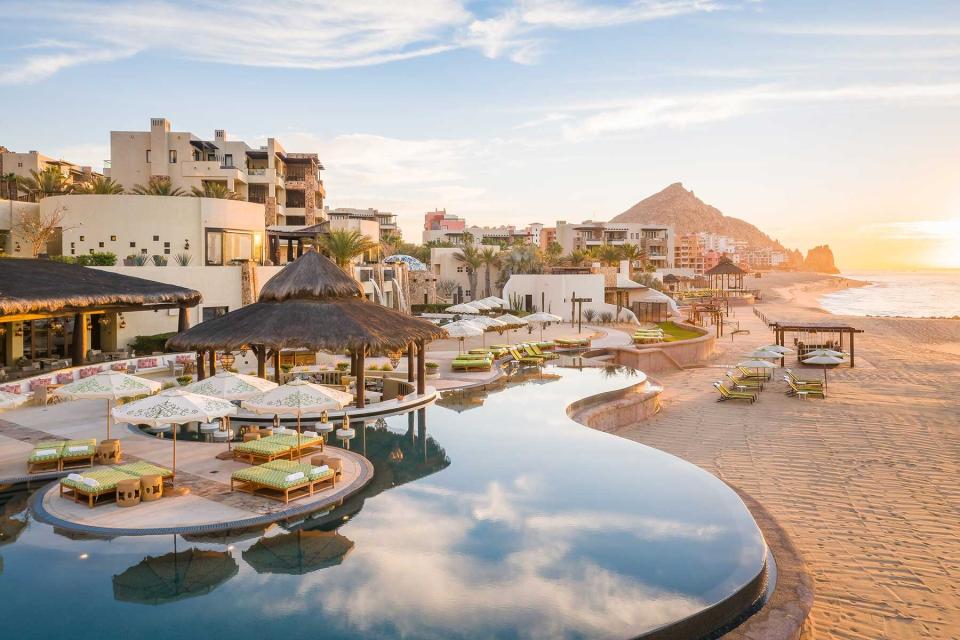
x,y
656,241
439,226
688,254
21,165
386,222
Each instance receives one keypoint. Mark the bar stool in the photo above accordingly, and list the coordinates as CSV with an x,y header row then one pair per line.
x,y
151,487
128,492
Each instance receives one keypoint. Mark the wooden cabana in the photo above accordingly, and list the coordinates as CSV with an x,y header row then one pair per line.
x,y
818,331
313,304
726,276
34,289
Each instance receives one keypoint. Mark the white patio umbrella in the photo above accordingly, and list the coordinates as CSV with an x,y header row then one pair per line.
x,y
227,385
511,321
108,385
297,398
487,324
494,301
480,304
11,400
813,353
764,353
173,407
756,364
463,329
777,347
824,360
466,307
542,318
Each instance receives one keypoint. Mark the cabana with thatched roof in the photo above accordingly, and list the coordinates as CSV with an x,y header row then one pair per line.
x,y
726,276
33,289
313,304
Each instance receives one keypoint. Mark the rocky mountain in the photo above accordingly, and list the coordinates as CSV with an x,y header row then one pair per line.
x,y
689,214
820,259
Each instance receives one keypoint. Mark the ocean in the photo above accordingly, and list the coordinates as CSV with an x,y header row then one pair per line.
x,y
913,294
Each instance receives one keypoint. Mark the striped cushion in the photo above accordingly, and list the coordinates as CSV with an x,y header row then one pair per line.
x,y
269,477
262,447
108,479
89,448
46,450
140,469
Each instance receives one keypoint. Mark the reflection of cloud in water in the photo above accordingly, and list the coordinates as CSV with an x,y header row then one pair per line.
x,y
421,583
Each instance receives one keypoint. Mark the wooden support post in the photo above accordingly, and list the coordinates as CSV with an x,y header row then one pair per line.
x,y
261,352
201,367
421,367
79,347
213,362
852,363
353,364
361,379
276,366
183,320
411,358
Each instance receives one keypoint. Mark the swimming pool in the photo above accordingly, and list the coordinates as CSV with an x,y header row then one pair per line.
x,y
491,517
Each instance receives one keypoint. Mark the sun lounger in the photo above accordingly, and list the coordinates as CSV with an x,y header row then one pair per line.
x,y
141,469
78,454
45,456
744,384
281,480
472,364
752,374
802,381
517,357
483,355
261,450
572,343
532,349
546,345
306,442
92,485
803,392
727,394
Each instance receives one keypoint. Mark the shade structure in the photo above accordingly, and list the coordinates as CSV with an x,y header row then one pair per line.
x,y
109,385
174,576
463,308
511,320
463,329
764,353
777,348
824,360
311,304
298,553
757,364
173,407
297,398
480,304
494,301
487,324
231,386
542,318
817,353
11,400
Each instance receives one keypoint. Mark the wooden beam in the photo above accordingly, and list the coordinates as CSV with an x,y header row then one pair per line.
x,y
276,366
79,347
361,379
213,362
201,367
411,358
261,352
183,320
852,351
421,367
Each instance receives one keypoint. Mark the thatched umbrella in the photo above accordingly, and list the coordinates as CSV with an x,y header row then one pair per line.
x,y
174,576
311,304
111,386
298,553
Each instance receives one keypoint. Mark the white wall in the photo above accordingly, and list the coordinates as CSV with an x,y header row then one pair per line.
x,y
11,213
557,290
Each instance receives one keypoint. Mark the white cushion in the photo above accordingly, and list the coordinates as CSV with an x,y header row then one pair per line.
x,y
91,482
78,449
294,476
45,452
75,477
317,471
283,431
310,434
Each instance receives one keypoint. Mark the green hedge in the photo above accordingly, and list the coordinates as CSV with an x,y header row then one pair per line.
x,y
145,345
103,259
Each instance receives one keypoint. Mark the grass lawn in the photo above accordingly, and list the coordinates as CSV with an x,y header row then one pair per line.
x,y
673,333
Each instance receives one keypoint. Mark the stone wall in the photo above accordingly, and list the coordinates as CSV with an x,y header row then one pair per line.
x,y
423,287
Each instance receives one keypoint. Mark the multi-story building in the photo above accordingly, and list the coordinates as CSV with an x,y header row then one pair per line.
x,y
440,226
287,184
548,235
723,245
445,266
764,258
657,241
21,164
386,222
688,254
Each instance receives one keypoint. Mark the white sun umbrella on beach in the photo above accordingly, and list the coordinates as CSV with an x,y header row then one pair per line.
x,y
814,353
462,329
296,398
480,304
825,360
764,353
11,400
487,324
511,321
110,386
173,407
497,302
756,364
227,385
542,318
777,347
465,307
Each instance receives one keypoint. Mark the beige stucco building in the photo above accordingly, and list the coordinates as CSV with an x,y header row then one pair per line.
x,y
657,241
21,165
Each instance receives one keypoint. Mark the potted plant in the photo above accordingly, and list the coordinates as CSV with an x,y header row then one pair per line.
x,y
433,369
343,366
184,380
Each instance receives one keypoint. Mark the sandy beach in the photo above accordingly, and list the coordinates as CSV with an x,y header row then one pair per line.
x,y
864,482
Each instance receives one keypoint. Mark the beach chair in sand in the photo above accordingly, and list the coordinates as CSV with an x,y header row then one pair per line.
x,y
727,394
802,382
745,384
521,359
803,392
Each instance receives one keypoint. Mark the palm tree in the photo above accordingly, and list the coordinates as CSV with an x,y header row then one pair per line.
x,y
8,186
100,185
607,254
634,253
343,246
553,252
158,186
472,260
578,256
49,182
491,259
216,190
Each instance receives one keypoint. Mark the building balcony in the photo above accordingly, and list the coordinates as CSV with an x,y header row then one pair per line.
x,y
212,170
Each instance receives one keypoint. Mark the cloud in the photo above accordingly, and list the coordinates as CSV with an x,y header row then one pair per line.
x,y
861,30
936,230
323,34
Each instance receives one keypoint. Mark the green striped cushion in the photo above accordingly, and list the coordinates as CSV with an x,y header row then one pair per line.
x,y
261,447
288,466
90,447
140,469
108,479
270,477
55,445
291,441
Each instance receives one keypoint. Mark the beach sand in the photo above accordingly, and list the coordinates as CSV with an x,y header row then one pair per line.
x,y
865,483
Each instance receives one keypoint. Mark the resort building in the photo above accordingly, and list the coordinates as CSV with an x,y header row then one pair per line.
x,y
385,223
447,268
656,241
20,165
764,258
439,226
288,185
688,253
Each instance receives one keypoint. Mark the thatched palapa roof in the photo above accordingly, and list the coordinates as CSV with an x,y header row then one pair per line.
x,y
29,286
725,267
311,304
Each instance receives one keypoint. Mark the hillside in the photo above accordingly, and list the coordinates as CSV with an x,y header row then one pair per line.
x,y
689,214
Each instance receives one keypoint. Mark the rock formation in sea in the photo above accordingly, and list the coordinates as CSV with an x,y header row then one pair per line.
x,y
820,259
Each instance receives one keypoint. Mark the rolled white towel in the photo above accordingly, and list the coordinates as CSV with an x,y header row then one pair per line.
x,y
293,477
318,471
283,431
75,477
78,448
91,482
45,452
310,434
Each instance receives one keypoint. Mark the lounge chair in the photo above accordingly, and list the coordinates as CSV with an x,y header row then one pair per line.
x,y
572,343
802,381
300,445
742,384
533,350
78,454
45,456
92,485
727,394
281,480
261,450
804,392
141,469
546,345
472,364
522,359
751,374
484,355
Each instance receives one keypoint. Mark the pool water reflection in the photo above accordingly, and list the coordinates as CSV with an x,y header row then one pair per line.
x,y
508,520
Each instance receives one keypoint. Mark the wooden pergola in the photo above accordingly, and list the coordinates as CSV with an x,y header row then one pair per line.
x,y
726,276
33,289
313,304
780,329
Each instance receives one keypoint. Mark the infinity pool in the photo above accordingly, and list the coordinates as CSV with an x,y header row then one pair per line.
x,y
489,517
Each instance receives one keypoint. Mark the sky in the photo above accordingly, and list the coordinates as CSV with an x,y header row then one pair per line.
x,y
819,121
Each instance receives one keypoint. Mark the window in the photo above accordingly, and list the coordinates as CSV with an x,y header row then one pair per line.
x,y
148,155
101,245
209,313
214,249
173,156
228,160
81,238
166,245
113,238
133,245
459,269
155,238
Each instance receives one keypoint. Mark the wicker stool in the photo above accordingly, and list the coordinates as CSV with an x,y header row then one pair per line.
x,y
247,437
334,463
128,492
266,433
151,487
108,452
249,428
